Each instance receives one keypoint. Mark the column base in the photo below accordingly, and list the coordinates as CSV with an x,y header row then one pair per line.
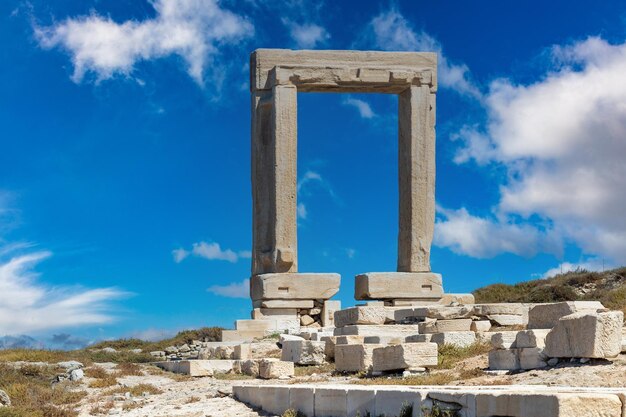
x,y
294,286
425,286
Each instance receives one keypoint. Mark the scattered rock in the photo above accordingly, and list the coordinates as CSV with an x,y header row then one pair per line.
x,y
5,401
76,375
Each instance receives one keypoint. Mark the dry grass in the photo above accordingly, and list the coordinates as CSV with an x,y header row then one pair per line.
x,y
96,372
136,390
326,368
105,382
450,355
33,394
231,376
128,369
435,378
102,408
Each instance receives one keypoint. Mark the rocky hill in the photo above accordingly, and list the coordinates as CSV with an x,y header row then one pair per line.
x,y
609,287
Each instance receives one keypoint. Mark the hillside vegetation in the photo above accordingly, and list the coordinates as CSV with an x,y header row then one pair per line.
x,y
609,287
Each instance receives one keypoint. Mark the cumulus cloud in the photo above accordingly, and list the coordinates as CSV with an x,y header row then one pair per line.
x,y
306,35
391,31
194,30
482,237
27,306
364,108
593,264
210,251
233,290
561,141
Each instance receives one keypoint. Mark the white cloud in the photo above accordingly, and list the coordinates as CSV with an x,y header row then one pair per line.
x,y
481,237
365,110
213,251
593,264
245,254
234,290
350,253
152,334
391,31
302,213
306,35
191,29
180,254
562,141
308,177
27,306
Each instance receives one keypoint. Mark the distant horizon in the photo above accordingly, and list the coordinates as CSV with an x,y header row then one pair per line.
x,y
125,205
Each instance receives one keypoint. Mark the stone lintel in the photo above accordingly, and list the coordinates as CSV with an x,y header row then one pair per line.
x,y
294,286
342,71
398,285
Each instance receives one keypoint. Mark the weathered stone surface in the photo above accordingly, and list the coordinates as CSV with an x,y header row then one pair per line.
x,y
517,309
504,359
294,286
545,316
274,369
288,304
535,338
396,330
331,402
302,399
449,298
329,347
250,367
384,340
255,325
504,340
274,313
199,367
350,340
405,356
5,401
303,352
434,312
328,312
480,326
362,315
390,285
586,335
354,358
508,319
306,320
532,358
460,339
443,326
242,352
241,335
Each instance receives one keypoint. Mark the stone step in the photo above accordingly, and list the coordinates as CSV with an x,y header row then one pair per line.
x,y
394,330
241,335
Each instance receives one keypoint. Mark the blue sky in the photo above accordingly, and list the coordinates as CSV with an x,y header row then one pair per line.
x,y
125,201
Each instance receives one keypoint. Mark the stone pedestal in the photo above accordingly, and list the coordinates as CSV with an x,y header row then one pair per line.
x,y
398,285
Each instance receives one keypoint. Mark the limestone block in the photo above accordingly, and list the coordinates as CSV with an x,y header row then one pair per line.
x,y
504,359
303,352
362,315
460,339
274,400
274,369
285,337
405,356
319,335
241,335
199,367
433,312
284,304
449,298
480,326
504,340
392,285
274,313
242,352
419,338
444,326
361,401
530,404
254,325
532,358
390,401
350,340
586,335
396,330
516,309
508,319
328,312
545,316
484,337
250,367
247,394
306,320
354,358
329,347
331,402
384,340
302,399
535,338
294,286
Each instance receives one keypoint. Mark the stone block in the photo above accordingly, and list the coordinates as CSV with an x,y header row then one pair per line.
x,y
285,304
530,404
459,339
384,340
508,319
405,356
354,358
247,394
254,325
361,402
250,367
362,315
331,402
545,316
391,401
275,369
398,285
444,326
328,312
294,286
302,399
274,400
316,337
350,340
241,335
242,352
199,367
516,309
433,312
504,340
274,313
480,326
586,335
303,352
449,298
329,347
419,338
532,358
396,330
535,338
504,359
